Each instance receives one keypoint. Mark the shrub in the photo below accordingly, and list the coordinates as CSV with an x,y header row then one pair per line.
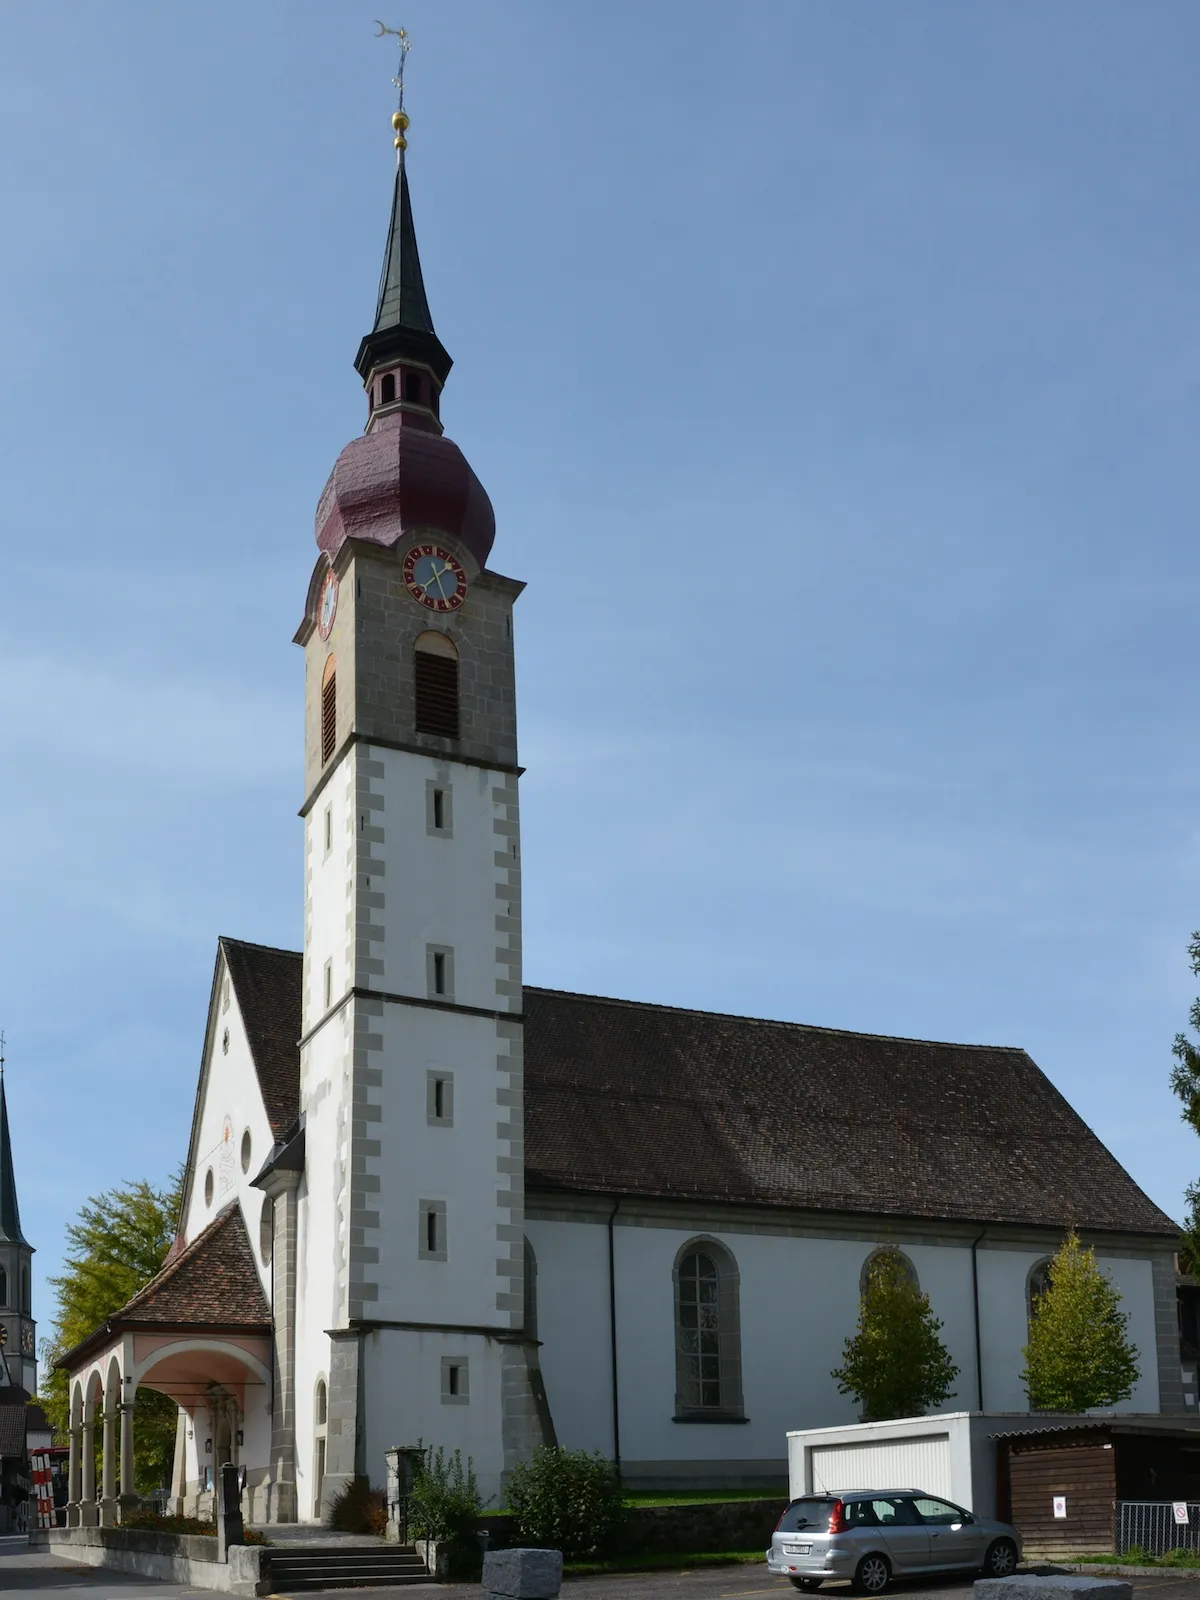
x,y
359,1509
444,1505
567,1500
153,1522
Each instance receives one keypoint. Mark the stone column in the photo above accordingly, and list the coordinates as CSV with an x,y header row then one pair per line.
x,y
280,1187
73,1489
129,1495
87,1498
108,1476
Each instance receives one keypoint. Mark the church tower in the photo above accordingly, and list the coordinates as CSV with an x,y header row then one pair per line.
x,y
409,1308
18,1331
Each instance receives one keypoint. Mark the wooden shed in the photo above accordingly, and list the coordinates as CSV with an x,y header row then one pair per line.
x,y
1061,1486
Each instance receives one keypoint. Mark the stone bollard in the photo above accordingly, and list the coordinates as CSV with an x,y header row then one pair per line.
x,y
1026,1586
522,1574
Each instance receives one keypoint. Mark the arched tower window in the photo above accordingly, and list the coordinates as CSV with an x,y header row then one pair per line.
x,y
708,1336
436,685
3,1287
387,389
1036,1285
26,1301
906,1266
412,387
329,710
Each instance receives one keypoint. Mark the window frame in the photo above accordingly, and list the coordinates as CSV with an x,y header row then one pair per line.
x,y
728,1337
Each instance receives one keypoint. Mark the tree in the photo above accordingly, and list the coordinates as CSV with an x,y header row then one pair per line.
x,y
1079,1354
117,1245
896,1364
1185,1082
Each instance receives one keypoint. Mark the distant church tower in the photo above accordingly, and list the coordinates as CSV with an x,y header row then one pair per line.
x,y
409,1307
19,1347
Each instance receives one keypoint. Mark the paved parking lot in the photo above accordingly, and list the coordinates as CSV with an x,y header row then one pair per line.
x,y
23,1572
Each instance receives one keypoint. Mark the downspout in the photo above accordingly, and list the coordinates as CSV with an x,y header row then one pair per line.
x,y
612,1337
975,1243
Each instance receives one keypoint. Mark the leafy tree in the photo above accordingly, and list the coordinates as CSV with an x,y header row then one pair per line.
x,y
1079,1354
117,1245
896,1364
1185,1081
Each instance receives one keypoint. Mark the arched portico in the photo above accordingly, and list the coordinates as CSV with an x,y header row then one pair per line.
x,y
217,1372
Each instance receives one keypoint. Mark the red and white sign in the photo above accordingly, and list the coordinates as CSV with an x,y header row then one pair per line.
x,y
43,1487
1060,1505
1180,1509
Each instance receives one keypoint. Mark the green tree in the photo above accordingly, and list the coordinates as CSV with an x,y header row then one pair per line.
x,y
1185,1082
1079,1354
116,1246
896,1364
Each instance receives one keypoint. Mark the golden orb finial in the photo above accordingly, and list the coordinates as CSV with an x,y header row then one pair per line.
x,y
399,116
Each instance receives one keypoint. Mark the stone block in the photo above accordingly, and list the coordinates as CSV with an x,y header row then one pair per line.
x,y
522,1574
1027,1586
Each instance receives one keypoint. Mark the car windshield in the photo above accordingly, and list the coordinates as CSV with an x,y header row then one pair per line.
x,y
813,1515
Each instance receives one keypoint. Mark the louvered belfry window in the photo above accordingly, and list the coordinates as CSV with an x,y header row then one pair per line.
x,y
435,666
328,710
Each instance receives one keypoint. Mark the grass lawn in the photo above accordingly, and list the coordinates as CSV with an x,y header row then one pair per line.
x,y
702,1496
1136,1557
662,1563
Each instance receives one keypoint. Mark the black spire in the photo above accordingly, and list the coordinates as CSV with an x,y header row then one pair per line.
x,y
10,1216
403,326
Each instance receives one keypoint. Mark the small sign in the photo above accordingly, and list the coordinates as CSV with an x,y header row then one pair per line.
x,y
1060,1505
1181,1511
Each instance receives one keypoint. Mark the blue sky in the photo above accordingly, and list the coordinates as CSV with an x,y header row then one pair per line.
x,y
834,371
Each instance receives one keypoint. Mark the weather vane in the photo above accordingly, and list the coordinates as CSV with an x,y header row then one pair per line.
x,y
400,116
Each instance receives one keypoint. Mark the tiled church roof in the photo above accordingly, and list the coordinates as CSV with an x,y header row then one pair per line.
x,y
633,1099
210,1283
636,1099
267,985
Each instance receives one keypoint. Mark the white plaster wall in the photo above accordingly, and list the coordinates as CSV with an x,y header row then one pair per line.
x,y
799,1303
323,1202
439,890
329,874
1004,1332
404,1379
456,1165
230,1090
573,1326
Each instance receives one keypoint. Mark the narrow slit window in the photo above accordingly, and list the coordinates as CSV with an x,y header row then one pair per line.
x,y
433,1230
435,674
328,984
439,809
439,972
328,829
439,1099
328,710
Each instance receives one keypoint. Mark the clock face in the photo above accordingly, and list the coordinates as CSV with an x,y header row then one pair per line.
x,y
434,578
327,605
27,1340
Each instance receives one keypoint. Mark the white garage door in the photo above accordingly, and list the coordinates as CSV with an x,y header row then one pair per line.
x,y
919,1463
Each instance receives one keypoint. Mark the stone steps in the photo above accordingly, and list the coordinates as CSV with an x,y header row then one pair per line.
x,y
342,1567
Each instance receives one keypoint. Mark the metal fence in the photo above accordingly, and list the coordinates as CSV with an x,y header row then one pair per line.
x,y
1156,1526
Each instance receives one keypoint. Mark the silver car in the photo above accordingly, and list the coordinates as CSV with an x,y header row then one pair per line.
x,y
873,1535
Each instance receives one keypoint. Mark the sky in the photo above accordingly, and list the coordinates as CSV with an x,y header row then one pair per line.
x,y
834,371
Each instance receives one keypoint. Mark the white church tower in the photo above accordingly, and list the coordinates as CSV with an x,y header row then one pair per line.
x,y
408,1238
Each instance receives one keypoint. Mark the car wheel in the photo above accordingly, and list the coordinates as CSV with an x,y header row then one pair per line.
x,y
806,1583
1001,1559
872,1575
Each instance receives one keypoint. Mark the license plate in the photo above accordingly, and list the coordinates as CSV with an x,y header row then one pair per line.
x,y
797,1549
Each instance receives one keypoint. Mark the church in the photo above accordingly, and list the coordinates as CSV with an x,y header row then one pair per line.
x,y
426,1201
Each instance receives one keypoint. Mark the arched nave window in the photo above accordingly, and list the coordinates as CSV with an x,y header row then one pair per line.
x,y
320,1430
906,1266
708,1334
1036,1285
